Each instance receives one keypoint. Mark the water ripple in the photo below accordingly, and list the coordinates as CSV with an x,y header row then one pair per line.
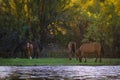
x,y
61,72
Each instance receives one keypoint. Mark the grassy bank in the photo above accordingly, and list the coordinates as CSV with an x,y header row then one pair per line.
x,y
56,61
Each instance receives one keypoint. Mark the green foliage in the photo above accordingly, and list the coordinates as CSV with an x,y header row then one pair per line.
x,y
63,20
92,34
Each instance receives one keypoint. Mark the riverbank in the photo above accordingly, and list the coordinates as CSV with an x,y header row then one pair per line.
x,y
56,62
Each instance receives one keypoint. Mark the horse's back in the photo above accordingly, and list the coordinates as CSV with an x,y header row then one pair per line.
x,y
90,47
97,46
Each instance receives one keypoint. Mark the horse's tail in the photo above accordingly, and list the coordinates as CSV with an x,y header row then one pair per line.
x,y
73,47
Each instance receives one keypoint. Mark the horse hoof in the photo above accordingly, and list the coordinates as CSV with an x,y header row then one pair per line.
x,y
30,58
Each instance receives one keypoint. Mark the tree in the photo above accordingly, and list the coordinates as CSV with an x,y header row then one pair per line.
x,y
50,21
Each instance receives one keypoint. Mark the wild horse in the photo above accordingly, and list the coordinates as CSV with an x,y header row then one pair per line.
x,y
88,48
72,49
33,49
28,50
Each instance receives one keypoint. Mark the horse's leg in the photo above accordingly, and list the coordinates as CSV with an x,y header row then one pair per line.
x,y
77,58
70,55
30,57
96,57
100,58
80,57
31,52
85,59
77,55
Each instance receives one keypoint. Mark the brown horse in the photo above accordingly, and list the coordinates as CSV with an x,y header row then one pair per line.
x,y
72,49
87,48
29,48
26,49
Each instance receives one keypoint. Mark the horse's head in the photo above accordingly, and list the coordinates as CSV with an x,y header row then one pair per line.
x,y
78,52
78,55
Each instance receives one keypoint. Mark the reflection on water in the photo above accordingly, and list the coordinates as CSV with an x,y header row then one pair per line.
x,y
60,73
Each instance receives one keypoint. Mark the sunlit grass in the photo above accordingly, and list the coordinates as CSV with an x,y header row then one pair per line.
x,y
56,61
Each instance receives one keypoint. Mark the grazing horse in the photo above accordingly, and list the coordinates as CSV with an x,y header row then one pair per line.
x,y
87,48
29,48
72,49
25,48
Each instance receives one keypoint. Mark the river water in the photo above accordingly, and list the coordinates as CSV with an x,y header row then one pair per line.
x,y
60,73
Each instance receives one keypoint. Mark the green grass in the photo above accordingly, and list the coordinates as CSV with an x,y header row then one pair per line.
x,y
56,62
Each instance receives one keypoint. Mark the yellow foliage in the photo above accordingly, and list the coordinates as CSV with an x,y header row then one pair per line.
x,y
89,14
116,4
88,3
91,2
25,8
69,5
63,31
102,5
110,16
117,7
95,16
12,4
